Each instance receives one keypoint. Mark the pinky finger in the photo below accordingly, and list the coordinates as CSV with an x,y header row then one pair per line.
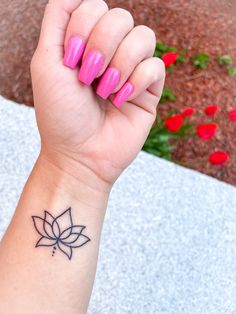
x,y
142,93
144,86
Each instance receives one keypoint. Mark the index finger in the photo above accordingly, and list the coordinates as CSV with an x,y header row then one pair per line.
x,y
55,21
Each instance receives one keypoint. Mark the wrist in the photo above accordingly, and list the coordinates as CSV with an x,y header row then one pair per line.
x,y
76,183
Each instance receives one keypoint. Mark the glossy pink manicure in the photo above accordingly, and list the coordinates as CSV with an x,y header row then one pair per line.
x,y
74,52
123,94
108,82
91,66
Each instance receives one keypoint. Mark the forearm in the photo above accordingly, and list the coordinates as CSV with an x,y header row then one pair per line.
x,y
99,129
44,279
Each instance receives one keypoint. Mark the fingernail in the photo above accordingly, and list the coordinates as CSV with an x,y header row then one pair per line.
x,y
123,94
74,51
108,82
91,66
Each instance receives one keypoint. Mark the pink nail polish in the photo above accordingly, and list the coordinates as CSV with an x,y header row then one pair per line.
x,y
74,52
108,82
91,66
123,94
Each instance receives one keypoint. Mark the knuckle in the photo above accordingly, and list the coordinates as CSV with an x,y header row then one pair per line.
x,y
153,70
148,36
161,67
131,54
124,14
150,74
102,4
147,32
91,8
158,69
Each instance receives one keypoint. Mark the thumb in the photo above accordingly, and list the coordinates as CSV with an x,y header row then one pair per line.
x,y
56,18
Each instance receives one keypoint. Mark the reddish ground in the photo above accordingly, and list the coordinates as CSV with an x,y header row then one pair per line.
x,y
198,25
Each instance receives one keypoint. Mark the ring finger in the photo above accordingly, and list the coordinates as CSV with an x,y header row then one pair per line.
x,y
137,46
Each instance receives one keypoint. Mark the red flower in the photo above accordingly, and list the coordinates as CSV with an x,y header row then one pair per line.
x,y
218,158
169,58
206,131
174,123
232,115
188,112
211,110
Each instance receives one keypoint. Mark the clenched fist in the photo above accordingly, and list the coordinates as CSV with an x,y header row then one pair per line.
x,y
96,87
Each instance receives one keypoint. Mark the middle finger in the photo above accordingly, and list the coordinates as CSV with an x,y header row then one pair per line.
x,y
103,43
137,46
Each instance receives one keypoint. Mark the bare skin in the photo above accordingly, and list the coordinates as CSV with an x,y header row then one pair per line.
x,y
86,143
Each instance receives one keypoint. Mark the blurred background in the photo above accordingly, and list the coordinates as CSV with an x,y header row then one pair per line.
x,y
196,120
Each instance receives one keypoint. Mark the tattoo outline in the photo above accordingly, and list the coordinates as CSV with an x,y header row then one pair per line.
x,y
54,235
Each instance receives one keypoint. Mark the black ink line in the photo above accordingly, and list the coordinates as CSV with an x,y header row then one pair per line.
x,y
53,235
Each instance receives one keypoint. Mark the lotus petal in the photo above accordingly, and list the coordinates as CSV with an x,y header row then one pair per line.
x,y
65,220
48,217
45,242
75,229
80,241
56,229
47,225
38,224
71,239
67,250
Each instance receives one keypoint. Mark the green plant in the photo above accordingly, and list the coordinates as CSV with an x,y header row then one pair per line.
x,y
232,71
167,95
161,142
201,60
225,60
166,133
157,142
181,59
161,48
182,56
171,68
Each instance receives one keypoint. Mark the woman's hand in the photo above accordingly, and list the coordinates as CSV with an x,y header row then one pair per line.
x,y
86,143
78,127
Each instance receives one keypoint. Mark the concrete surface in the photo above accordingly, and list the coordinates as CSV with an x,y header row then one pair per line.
x,y
169,239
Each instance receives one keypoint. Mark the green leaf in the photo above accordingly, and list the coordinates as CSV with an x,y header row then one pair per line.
x,y
163,138
171,68
232,71
201,60
181,59
167,95
157,142
162,48
225,60
161,142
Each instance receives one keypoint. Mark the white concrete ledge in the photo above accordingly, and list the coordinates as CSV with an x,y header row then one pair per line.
x,y
169,240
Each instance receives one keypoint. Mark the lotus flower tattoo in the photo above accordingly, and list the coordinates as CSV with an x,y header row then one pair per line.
x,y
59,232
